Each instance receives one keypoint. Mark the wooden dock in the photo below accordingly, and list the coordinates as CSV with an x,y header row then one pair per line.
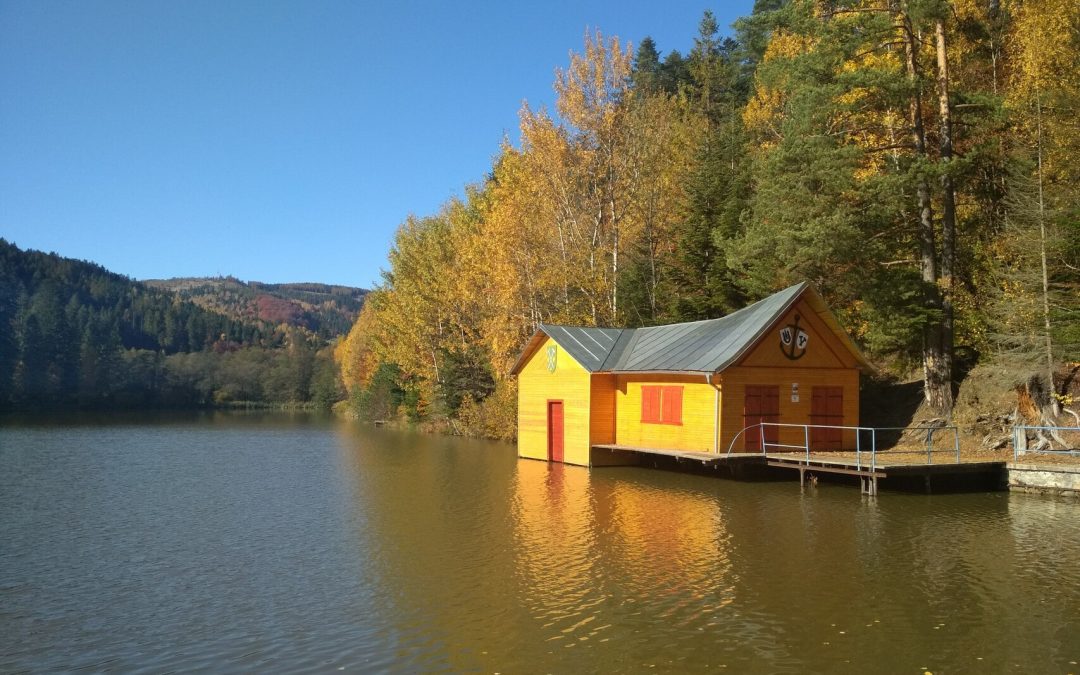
x,y
627,455
869,473
910,465
695,455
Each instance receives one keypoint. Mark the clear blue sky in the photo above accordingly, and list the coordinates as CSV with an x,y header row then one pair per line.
x,y
272,141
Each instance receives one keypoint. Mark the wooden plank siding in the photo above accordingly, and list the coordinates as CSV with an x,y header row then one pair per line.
x,y
697,427
571,384
735,380
602,415
823,350
827,362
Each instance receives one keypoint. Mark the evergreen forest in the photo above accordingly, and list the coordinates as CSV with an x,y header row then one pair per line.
x,y
918,161
76,335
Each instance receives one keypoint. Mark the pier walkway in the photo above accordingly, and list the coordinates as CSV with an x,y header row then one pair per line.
x,y
935,454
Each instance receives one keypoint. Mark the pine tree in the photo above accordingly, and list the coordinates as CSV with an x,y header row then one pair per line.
x,y
647,73
716,190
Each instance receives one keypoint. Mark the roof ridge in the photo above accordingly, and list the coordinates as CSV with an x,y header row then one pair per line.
x,y
567,325
681,323
635,334
728,316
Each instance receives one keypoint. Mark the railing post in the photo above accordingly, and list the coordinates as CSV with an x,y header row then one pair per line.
x,y
956,442
929,445
873,448
761,433
858,446
806,440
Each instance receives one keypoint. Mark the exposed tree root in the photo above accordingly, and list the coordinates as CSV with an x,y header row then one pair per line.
x,y
1035,407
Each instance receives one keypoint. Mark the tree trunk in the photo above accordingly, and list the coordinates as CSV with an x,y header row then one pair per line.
x,y
616,243
1042,255
948,216
937,389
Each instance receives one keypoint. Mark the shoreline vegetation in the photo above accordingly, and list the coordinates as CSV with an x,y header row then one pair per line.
x,y
916,164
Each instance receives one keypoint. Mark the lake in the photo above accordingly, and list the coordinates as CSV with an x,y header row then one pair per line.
x,y
255,542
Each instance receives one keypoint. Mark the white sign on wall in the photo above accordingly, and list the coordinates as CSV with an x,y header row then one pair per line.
x,y
794,392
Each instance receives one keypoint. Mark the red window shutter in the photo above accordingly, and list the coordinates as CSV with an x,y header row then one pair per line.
x,y
671,406
650,404
675,393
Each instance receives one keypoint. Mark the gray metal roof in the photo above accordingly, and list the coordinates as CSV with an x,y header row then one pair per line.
x,y
588,346
699,346
705,346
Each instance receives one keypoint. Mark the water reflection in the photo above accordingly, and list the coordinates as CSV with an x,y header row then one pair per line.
x,y
613,564
1047,580
312,546
434,521
489,562
555,550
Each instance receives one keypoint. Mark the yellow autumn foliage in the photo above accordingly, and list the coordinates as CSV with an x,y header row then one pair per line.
x,y
599,185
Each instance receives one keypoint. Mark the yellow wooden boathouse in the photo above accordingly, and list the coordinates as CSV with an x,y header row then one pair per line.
x,y
701,386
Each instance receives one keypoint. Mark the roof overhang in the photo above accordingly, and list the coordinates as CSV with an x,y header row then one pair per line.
x,y
531,346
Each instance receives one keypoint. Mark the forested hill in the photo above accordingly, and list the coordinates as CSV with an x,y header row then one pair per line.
x,y
328,311
74,333
52,301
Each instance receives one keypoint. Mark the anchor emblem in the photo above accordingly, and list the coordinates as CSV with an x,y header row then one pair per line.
x,y
793,340
551,352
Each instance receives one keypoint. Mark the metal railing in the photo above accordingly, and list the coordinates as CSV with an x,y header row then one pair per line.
x,y
859,449
1020,445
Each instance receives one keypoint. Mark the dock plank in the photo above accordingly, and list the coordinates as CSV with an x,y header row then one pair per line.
x,y
683,454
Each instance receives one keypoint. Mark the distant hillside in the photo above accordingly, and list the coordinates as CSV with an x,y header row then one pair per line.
x,y
75,334
328,311
66,299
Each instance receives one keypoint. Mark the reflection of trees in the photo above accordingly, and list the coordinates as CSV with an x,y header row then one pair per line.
x,y
481,561
432,512
1042,581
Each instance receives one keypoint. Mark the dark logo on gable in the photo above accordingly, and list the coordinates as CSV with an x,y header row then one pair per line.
x,y
793,340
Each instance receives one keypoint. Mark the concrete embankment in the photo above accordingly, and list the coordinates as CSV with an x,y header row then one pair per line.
x,y
1025,476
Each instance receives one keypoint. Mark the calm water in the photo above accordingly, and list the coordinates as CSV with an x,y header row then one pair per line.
x,y
249,543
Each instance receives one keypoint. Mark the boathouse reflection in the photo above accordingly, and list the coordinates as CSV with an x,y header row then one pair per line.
x,y
593,548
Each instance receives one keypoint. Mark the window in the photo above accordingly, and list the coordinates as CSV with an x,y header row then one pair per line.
x,y
661,405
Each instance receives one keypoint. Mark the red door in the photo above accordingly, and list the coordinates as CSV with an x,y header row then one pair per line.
x,y
826,408
555,431
762,404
